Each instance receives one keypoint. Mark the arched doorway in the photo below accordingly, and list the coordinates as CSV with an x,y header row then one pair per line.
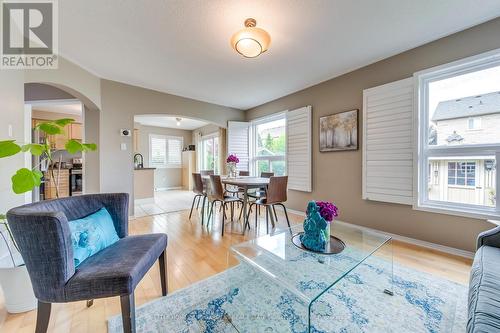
x,y
78,173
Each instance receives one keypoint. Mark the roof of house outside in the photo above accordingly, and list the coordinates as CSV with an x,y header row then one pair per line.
x,y
468,107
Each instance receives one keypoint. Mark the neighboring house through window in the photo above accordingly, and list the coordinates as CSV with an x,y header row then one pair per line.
x,y
459,136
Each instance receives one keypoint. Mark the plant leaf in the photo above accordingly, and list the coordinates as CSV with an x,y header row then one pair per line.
x,y
63,122
73,146
90,146
50,128
35,148
25,180
9,148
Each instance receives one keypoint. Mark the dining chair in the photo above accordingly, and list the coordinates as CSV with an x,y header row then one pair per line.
x,y
199,191
261,192
244,173
235,190
276,195
217,194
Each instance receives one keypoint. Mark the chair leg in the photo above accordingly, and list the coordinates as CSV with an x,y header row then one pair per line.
x,y
256,215
275,215
128,313
198,202
42,317
163,273
267,219
210,211
286,214
192,205
223,205
241,212
90,302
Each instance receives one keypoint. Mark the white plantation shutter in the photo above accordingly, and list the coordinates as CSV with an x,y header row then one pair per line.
x,y
174,149
387,142
299,149
165,151
157,151
237,142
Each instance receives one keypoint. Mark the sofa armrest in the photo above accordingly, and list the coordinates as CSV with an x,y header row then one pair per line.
x,y
489,238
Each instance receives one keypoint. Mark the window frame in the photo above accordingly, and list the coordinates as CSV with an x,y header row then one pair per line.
x,y
211,136
167,164
253,144
423,151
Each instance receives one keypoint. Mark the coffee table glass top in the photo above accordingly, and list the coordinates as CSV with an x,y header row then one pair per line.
x,y
291,267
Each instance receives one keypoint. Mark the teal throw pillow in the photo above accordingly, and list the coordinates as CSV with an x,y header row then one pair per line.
x,y
92,234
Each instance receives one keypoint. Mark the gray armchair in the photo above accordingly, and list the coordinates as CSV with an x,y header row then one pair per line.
x,y
484,285
41,230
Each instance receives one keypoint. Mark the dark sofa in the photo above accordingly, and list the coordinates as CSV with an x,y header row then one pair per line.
x,y
484,287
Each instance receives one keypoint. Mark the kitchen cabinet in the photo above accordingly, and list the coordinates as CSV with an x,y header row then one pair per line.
x,y
75,131
58,141
188,167
50,187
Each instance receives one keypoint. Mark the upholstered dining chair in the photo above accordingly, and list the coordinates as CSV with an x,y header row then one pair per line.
x,y
199,191
276,194
217,194
42,233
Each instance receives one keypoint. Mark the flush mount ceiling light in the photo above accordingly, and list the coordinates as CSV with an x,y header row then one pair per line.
x,y
251,41
178,121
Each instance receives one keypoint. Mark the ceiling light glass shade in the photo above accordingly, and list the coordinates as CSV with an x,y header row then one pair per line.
x,y
250,42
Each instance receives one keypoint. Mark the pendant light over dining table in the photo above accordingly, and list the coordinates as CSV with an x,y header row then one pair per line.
x,y
251,41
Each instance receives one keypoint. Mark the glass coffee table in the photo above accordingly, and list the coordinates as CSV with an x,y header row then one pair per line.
x,y
306,276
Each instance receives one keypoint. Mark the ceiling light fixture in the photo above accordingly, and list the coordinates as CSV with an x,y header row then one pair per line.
x,y
178,121
251,41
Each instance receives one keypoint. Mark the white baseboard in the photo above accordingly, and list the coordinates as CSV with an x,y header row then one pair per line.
x,y
429,245
144,201
160,189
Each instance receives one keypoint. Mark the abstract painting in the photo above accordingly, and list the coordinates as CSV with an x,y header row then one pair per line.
x,y
339,131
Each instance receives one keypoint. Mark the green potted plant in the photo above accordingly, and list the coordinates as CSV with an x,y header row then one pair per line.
x,y
14,277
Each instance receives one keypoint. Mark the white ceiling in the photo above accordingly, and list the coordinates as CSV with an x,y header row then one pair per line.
x,y
169,122
182,46
64,107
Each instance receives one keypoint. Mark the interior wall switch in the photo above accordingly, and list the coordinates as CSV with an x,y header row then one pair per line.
x,y
123,146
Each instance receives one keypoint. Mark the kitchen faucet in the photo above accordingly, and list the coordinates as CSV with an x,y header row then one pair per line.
x,y
139,161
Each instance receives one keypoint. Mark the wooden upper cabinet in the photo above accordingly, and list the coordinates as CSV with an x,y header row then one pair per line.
x,y
58,142
76,131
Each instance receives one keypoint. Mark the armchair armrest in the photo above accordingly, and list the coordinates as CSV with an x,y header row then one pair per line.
x,y
44,240
489,238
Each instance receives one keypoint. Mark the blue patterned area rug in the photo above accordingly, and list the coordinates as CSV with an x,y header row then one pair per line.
x,y
244,299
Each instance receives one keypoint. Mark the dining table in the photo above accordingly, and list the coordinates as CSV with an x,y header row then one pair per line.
x,y
246,183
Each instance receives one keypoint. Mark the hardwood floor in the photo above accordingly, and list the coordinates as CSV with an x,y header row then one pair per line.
x,y
195,253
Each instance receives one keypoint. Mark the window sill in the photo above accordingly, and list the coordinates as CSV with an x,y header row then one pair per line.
x,y
470,213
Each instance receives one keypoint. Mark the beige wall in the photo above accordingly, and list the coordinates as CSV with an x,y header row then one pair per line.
x,y
120,102
337,175
11,113
91,166
164,177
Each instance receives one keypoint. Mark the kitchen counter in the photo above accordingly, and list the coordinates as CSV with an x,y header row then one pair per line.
x,y
144,183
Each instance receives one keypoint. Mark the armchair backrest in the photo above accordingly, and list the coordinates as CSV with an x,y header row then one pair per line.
x,y
42,233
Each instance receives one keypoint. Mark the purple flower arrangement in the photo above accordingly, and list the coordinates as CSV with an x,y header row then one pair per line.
x,y
233,159
327,210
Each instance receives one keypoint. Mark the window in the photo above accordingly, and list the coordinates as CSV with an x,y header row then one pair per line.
x,y
474,123
269,145
462,173
210,153
459,137
165,151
